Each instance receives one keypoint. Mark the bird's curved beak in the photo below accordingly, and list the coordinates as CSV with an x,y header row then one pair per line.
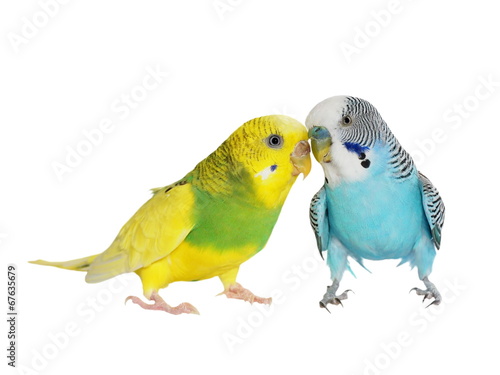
x,y
321,140
301,159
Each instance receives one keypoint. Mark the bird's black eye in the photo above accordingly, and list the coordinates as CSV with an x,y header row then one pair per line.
x,y
274,141
346,120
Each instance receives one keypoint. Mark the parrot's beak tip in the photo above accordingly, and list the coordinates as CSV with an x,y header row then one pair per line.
x,y
321,141
301,159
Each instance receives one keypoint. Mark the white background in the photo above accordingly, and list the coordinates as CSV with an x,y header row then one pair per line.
x,y
418,66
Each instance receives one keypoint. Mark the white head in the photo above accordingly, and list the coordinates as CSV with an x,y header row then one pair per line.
x,y
344,131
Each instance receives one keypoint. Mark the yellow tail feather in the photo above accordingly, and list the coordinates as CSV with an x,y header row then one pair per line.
x,y
81,264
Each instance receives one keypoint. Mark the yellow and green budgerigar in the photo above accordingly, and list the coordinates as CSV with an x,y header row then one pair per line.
x,y
212,220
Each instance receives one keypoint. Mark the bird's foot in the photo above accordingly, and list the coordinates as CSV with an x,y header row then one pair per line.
x,y
331,297
160,304
238,292
429,293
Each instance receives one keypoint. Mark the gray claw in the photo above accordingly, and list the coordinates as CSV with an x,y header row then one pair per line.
x,y
435,302
323,306
429,293
344,295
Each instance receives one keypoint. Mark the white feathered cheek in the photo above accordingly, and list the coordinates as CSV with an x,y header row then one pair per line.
x,y
266,172
349,164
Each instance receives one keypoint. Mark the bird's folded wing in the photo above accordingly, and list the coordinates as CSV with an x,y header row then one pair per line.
x,y
318,215
433,208
154,231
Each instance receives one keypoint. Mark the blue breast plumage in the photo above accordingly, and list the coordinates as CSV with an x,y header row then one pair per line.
x,y
377,218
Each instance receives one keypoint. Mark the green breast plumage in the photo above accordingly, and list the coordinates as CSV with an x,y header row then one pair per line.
x,y
232,218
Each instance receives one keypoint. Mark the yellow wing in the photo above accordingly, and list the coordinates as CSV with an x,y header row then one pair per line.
x,y
154,231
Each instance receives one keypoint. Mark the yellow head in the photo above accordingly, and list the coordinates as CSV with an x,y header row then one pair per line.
x,y
274,151
265,155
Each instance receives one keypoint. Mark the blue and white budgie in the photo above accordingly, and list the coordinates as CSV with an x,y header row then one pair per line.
x,y
374,204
